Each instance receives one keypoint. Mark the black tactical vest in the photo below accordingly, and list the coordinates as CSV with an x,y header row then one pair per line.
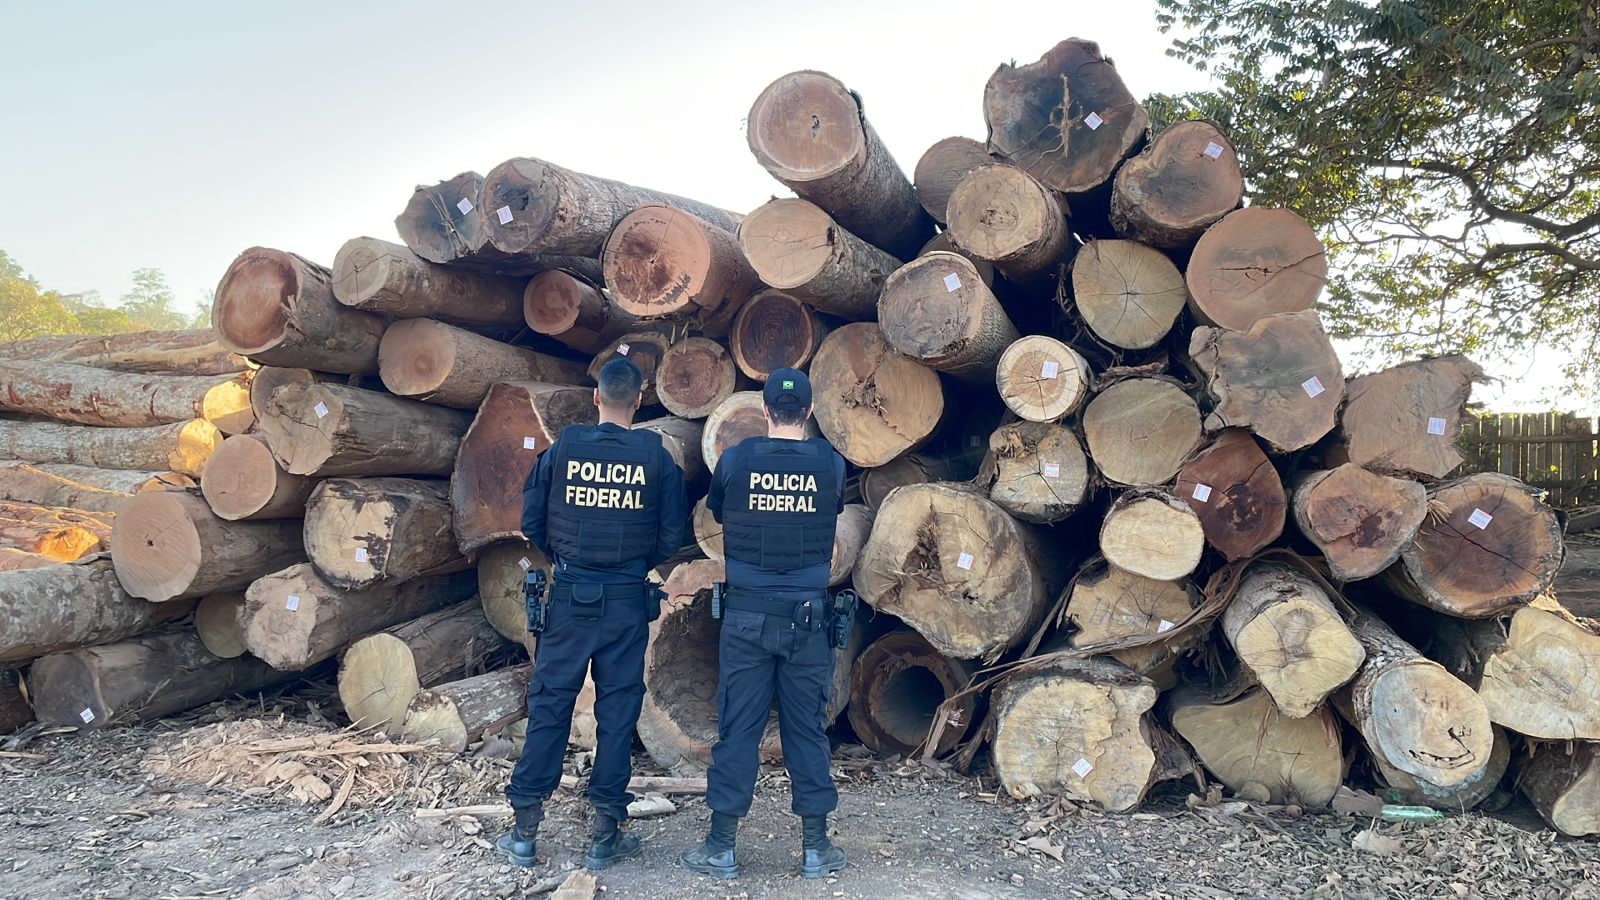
x,y
781,504
605,487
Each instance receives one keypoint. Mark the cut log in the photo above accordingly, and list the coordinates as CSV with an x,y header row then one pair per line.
x,y
942,167
269,378
448,223
1042,379
735,419
1405,420
850,534
1039,472
642,348
438,363
331,429
22,483
139,680
898,685
694,376
1140,431
1288,633
386,278
1402,788
379,675
796,247
1256,262
1260,753
121,482
1154,534
91,396
14,560
15,711
189,352
365,532
52,531
708,531
1002,214
936,310
502,574
456,714
1234,489
1358,519
1281,379
180,447
873,403
293,619
279,310
219,622
663,262
242,481
1067,119
1107,603
516,422
957,568
682,440
60,607
1487,546
678,722
1128,294
1563,783
774,330
533,206
1184,182
809,131
573,311
169,545
943,243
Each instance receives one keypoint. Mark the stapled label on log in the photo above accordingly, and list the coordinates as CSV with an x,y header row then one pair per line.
x,y
1312,386
529,443
1202,492
291,603
1435,425
1049,369
952,282
465,206
1082,768
1480,519
1093,120
504,213
1214,150
964,561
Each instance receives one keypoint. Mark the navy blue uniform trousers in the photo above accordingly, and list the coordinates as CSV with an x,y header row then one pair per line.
x,y
614,643
764,656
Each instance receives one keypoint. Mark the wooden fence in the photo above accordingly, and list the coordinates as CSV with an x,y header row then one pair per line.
x,y
1559,452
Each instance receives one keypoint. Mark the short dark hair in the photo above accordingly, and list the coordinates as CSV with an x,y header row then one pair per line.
x,y
620,384
788,414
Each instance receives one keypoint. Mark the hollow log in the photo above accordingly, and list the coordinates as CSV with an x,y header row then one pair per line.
x,y
502,573
242,481
936,310
1360,520
219,623
52,531
15,711
850,534
796,247
694,376
380,674
735,419
458,713
1039,472
1288,633
279,310
89,396
1281,379
386,278
1002,214
663,262
1402,788
365,532
1128,294
22,483
809,131
169,545
59,607
772,331
642,348
1405,420
900,680
1042,379
194,351
1184,182
942,167
872,402
331,429
180,447
1140,431
682,440
1154,534
1107,603
1234,489
677,723
573,311
438,363
1563,783
1279,760
1255,262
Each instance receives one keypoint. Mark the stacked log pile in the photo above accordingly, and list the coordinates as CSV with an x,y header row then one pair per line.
x,y
1114,500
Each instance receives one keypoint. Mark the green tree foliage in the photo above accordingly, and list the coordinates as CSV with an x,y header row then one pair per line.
x,y
27,311
1447,152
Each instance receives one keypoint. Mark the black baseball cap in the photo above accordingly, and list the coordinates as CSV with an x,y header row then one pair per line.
x,y
787,389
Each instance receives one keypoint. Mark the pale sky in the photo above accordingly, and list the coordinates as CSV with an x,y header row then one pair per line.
x,y
175,134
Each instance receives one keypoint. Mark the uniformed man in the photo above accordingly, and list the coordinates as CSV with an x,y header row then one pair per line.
x,y
605,504
778,498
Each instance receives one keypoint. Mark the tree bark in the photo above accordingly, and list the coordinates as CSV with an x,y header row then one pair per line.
x,y
1234,489
269,378
242,481
872,402
218,622
694,376
796,247
913,468
449,223
944,243
502,574
279,310
386,278
56,532
682,439
438,363
1038,472
365,532
193,351
1402,788
1563,783
942,167
14,560
60,607
1405,420
180,447
1140,431
1256,262
170,546
1359,520
850,534
379,675
90,396
1002,214
574,311
677,724
1288,633
1042,379
1280,759
21,483
14,709
736,418
1154,534
330,429
1107,603
662,262
937,311
642,348
1128,294
809,131
458,713
900,680
1182,184
772,331
1281,379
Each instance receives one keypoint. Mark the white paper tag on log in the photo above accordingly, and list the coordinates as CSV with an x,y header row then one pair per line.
x,y
1052,470
1202,492
622,349
465,206
964,561
1214,150
1164,626
952,282
1049,369
1480,519
529,443
504,213
525,563
291,603
1082,768
1435,425
321,409
361,554
1093,120
87,715
1312,386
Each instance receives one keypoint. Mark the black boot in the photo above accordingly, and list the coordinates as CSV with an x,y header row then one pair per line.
x,y
819,856
610,843
714,856
518,844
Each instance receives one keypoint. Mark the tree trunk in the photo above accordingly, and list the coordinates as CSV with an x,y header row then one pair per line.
x,y
438,363
502,573
330,429
913,468
379,675
873,403
1281,379
1402,788
682,439
1041,379
120,482
219,623
662,262
937,311
1236,492
279,310
458,713
574,312
58,533
1002,214
269,378
23,483
809,131
293,619
14,560
193,351
943,243
642,348
942,167
678,723
91,396
181,447
1281,760
1128,294
1154,534
774,331
850,534
242,481
365,532
14,709
1405,420
169,546
449,223
1487,546
1563,783
898,685
1182,184
139,680
1359,520
1288,633
1256,262
736,418
796,247
1107,603
386,278
1038,471
516,422
60,607
1140,431
695,375
1067,119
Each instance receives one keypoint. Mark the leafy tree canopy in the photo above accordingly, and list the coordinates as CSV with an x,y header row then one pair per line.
x,y
28,311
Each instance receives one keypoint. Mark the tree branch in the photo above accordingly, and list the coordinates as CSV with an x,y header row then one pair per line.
x,y
1481,197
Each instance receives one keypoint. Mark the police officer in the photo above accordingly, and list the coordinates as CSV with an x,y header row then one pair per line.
x,y
606,504
778,498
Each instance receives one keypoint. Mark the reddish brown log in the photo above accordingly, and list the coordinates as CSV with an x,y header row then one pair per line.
x,y
169,546
772,331
1358,519
1236,492
1186,180
663,262
694,376
642,348
1256,262
242,481
795,246
439,363
279,310
942,167
736,418
573,311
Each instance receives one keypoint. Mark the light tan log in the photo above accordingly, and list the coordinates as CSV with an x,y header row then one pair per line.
x,y
735,419
120,481
1186,180
936,310
219,623
516,422
458,713
386,278
269,378
809,131
796,247
682,440
379,675
1140,431
850,533
1358,519
663,262
772,331
914,468
873,402
1405,420
331,429
1281,379
573,311
180,447
279,310
1402,788
14,560
67,605
1563,783
1258,752
1106,603
1236,492
439,363
1002,214
677,723
642,348
193,351
170,546
1042,379
1038,472
90,396
15,711
242,481
900,680
293,619
1288,632
1256,262
1152,533
694,376
942,167
1128,294
22,483
365,532
502,573
56,532
707,531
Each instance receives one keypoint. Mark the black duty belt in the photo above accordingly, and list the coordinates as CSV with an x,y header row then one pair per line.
x,y
563,590
807,609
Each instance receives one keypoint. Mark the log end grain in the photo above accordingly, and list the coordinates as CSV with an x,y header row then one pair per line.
x,y
1256,262
941,168
1187,179
772,331
1140,431
442,222
1041,379
1129,294
156,547
872,402
1284,760
1360,520
1237,493
1040,471
806,126
1153,534
253,303
378,681
694,376
218,621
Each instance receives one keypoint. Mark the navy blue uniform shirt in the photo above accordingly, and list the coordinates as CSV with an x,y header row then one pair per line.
x,y
753,577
